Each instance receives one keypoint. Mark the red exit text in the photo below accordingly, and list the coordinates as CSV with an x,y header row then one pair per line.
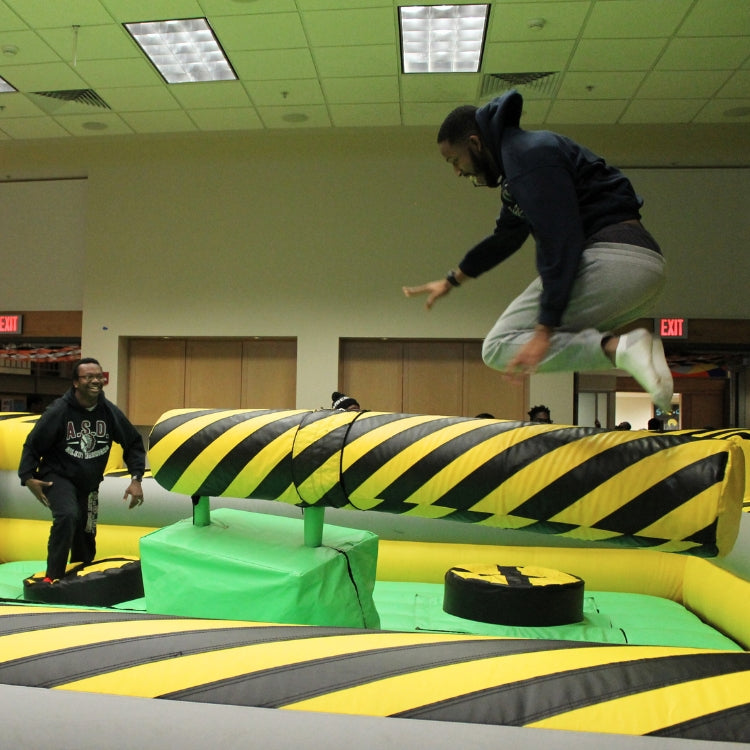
x,y
672,328
11,323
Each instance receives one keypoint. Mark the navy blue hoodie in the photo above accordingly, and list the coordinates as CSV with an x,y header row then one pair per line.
x,y
553,188
74,442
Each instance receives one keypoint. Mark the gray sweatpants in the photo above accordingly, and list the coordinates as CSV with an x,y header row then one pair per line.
x,y
615,284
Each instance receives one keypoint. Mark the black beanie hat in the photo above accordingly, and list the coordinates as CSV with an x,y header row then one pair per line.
x,y
341,401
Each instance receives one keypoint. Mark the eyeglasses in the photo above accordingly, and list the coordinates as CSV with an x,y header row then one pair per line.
x,y
89,378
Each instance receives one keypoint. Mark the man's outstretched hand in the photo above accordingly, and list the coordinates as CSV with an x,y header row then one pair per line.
x,y
433,289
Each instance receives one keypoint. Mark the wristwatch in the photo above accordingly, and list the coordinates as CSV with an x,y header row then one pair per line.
x,y
452,280
136,478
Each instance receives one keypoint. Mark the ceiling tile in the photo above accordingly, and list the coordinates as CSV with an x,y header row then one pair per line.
x,y
96,123
138,98
423,113
31,48
635,18
285,93
595,112
617,54
376,89
248,7
159,122
126,11
717,18
737,85
516,57
344,28
114,72
367,60
343,4
18,105
32,127
593,85
91,43
47,14
43,77
662,110
270,65
365,115
718,53
451,87
718,110
693,84
9,21
267,31
229,94
534,112
288,117
510,22
241,118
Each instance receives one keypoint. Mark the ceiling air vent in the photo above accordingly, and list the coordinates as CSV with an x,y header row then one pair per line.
x,y
79,96
496,83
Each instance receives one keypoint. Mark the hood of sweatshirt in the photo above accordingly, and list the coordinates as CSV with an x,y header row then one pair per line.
x,y
494,117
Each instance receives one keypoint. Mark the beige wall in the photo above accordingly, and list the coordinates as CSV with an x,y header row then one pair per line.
x,y
311,234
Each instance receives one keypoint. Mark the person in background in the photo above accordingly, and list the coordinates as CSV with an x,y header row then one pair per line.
x,y
598,268
655,425
624,426
63,461
540,413
484,415
342,401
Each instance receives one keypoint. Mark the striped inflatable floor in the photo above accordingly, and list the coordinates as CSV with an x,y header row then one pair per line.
x,y
636,690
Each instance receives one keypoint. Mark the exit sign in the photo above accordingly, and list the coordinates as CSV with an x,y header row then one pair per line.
x,y
672,328
11,324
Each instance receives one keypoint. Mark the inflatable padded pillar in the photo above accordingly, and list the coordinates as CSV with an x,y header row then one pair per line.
x,y
253,566
525,595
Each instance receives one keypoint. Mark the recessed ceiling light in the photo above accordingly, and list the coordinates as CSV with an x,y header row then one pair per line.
x,y
94,125
442,38
295,117
183,51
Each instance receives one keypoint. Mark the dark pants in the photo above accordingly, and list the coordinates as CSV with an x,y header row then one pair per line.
x,y
73,532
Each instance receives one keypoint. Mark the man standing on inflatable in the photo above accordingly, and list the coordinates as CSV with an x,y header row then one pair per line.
x,y
63,462
599,268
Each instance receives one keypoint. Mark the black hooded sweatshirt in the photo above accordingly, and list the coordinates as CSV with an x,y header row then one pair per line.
x,y
74,442
553,188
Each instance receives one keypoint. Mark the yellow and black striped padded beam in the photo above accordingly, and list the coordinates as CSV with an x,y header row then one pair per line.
x,y
634,690
742,438
640,489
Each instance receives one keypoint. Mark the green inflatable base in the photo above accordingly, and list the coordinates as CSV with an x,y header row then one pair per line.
x,y
254,566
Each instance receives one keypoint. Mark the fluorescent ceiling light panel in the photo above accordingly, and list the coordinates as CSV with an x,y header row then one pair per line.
x,y
442,38
183,51
5,87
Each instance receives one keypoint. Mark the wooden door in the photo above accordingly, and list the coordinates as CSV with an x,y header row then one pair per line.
x,y
269,374
213,374
372,372
156,380
433,377
489,391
